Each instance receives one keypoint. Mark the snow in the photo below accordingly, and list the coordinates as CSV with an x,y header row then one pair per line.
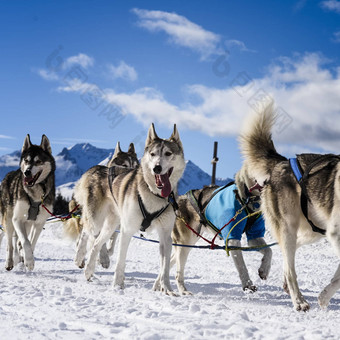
x,y
66,190
56,302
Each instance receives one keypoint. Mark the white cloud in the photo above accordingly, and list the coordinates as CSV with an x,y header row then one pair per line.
x,y
6,137
238,44
181,31
47,75
304,87
331,5
76,85
336,37
81,59
123,71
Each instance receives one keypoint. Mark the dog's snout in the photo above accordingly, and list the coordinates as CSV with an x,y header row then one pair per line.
x,y
28,173
157,169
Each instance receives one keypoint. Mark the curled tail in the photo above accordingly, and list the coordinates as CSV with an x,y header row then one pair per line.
x,y
73,226
257,145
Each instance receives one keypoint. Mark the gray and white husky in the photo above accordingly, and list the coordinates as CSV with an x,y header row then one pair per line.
x,y
90,192
282,200
183,235
138,201
22,192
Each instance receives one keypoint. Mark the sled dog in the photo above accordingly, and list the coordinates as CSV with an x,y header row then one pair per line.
x,y
140,201
298,210
194,211
91,193
22,193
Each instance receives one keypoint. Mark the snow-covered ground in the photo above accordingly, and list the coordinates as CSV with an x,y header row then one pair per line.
x,y
56,302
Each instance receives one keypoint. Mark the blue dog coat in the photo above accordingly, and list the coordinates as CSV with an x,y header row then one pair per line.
x,y
223,207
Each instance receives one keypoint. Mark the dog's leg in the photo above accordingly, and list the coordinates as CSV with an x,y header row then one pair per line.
x,y
81,249
35,233
27,250
112,243
104,257
247,284
288,247
180,256
162,282
124,241
330,290
266,259
10,248
98,244
334,238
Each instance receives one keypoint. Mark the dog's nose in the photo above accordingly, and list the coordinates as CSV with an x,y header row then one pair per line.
x,y
28,173
157,169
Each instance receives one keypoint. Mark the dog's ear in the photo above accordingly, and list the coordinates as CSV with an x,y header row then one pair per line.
x,y
45,144
117,150
131,149
152,135
27,143
175,137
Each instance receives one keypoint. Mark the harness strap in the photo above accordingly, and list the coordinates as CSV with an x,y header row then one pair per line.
x,y
304,199
148,218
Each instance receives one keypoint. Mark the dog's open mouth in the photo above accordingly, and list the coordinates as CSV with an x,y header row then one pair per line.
x,y
163,183
30,181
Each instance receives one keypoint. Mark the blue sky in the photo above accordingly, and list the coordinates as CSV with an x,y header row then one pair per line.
x,y
102,71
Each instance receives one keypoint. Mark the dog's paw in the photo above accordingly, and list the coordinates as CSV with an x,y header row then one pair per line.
x,y
250,289
169,292
81,265
29,265
302,306
118,282
88,273
9,267
105,263
263,274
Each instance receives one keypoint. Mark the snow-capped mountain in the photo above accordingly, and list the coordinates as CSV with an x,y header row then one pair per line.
x,y
72,162
9,163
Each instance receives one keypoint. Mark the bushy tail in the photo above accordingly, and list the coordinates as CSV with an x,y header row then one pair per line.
x,y
257,145
73,226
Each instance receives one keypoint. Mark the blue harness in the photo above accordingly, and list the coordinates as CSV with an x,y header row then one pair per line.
x,y
223,207
295,166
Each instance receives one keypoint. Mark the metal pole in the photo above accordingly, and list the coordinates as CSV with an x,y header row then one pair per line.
x,y
214,163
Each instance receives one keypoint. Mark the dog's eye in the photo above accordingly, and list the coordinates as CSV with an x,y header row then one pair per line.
x,y
168,153
152,154
26,161
38,162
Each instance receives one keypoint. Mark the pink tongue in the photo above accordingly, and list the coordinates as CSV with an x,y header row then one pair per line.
x,y
164,182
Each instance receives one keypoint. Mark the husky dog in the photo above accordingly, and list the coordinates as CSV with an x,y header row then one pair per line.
x,y
91,192
196,217
74,226
22,192
139,201
297,212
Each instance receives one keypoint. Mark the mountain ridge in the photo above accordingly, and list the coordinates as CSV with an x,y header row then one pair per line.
x,y
72,162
